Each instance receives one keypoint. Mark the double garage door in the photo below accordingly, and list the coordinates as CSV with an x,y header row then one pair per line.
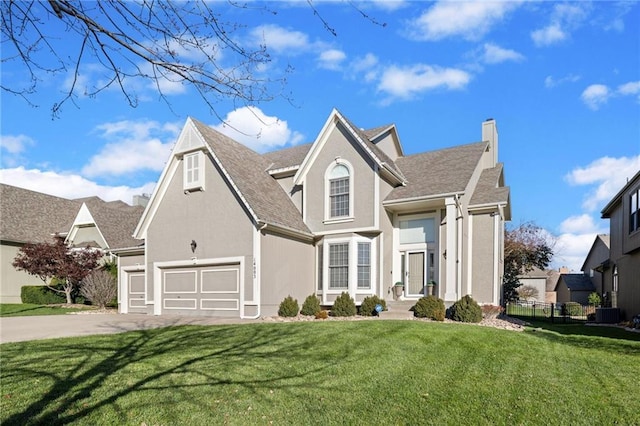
x,y
207,290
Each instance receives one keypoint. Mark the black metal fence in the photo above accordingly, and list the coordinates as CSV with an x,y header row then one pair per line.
x,y
570,312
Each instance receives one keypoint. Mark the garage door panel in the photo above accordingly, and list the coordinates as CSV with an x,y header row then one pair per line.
x,y
136,283
180,303
220,281
219,304
180,282
137,303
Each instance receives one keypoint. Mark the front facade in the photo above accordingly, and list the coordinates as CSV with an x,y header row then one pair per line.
x,y
229,232
621,273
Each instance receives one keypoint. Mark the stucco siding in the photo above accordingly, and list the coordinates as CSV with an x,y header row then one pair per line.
x,y
286,269
294,192
629,285
11,280
87,235
213,218
483,258
342,146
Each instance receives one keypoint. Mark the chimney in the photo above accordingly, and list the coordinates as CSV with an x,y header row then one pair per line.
x,y
141,200
490,134
563,270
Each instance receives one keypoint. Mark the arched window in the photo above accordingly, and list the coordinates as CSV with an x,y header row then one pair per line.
x,y
339,191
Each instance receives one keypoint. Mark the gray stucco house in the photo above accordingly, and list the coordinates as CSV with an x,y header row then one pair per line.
x,y
230,232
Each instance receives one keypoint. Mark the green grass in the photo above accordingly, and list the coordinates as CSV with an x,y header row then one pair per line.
x,y
334,372
26,309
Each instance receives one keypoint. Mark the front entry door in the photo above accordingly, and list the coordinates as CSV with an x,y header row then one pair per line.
x,y
415,273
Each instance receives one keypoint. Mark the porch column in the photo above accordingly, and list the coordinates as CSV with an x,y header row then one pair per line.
x,y
451,284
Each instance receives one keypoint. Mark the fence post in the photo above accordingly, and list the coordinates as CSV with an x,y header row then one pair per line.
x,y
553,312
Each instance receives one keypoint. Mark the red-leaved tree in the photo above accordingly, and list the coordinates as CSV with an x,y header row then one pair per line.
x,y
57,259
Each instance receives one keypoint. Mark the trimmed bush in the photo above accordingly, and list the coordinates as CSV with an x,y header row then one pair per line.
x,y
41,295
288,307
311,305
99,287
429,307
368,307
466,310
573,309
344,306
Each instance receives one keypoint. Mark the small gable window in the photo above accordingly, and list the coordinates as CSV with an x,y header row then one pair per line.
x,y
339,192
193,171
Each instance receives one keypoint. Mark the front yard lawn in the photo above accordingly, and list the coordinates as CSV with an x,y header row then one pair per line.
x,y
27,309
334,372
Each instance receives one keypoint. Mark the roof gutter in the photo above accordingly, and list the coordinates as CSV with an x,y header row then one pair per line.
x,y
285,230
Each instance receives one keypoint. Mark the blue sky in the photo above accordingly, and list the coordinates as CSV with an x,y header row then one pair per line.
x,y
562,80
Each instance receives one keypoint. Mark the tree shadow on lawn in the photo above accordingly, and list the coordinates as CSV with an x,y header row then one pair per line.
x,y
167,355
588,337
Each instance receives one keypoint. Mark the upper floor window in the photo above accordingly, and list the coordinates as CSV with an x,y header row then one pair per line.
x,y
634,211
193,171
340,191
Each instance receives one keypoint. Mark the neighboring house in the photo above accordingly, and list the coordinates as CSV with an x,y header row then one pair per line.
x,y
32,217
574,288
536,278
621,274
597,261
230,232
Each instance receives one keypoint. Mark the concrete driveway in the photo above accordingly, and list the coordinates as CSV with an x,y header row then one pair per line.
x,y
19,329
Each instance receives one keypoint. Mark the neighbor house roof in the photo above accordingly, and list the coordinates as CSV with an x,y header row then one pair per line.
x,y
445,171
576,282
116,221
32,217
248,171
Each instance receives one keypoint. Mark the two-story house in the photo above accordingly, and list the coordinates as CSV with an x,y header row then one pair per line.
x,y
230,232
621,273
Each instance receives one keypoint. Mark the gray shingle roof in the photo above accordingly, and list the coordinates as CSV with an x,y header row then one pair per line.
x,y
116,221
29,216
372,133
432,173
577,282
248,171
288,157
488,190
32,217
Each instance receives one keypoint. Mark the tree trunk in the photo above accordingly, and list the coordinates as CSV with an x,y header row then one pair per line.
x,y
68,287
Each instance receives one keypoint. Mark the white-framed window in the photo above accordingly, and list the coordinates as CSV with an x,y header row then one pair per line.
x,y
364,265
634,211
339,191
349,265
339,266
193,165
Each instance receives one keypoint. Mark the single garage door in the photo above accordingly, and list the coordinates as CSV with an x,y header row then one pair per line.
x,y
207,290
136,287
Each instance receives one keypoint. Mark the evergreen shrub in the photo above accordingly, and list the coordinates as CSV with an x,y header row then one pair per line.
x,y
41,295
344,306
429,307
368,307
311,305
466,310
288,307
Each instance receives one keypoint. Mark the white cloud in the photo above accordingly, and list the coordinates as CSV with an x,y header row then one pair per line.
x,y
595,96
406,82
279,39
551,82
366,65
565,17
69,186
631,88
608,174
260,132
132,146
571,249
388,5
548,35
470,20
15,144
494,54
331,59
583,223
